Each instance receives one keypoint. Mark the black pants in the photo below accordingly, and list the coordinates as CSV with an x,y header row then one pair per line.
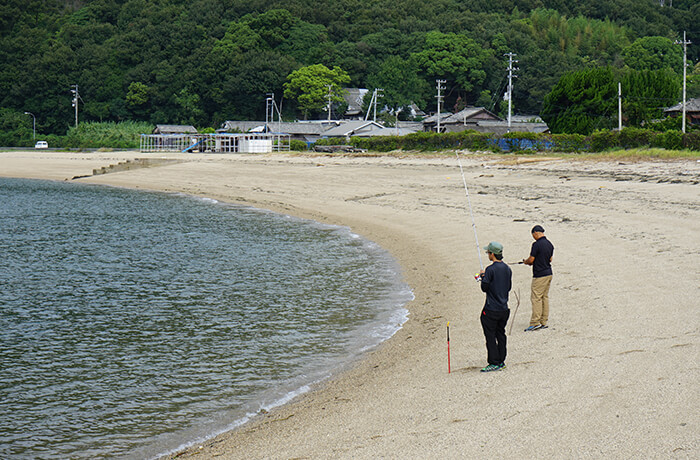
x,y
494,324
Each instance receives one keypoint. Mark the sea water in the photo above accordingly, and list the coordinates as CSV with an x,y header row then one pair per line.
x,y
134,323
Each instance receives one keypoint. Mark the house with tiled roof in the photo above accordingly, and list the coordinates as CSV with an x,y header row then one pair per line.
x,y
175,129
306,131
692,111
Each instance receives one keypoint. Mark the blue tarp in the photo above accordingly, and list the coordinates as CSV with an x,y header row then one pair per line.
x,y
508,144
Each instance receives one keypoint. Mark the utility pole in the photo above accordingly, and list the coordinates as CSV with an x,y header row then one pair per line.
x,y
270,110
371,102
76,98
685,44
619,106
34,124
378,92
270,97
329,101
510,84
439,96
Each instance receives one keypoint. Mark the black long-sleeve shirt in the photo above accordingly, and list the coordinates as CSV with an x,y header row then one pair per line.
x,y
496,283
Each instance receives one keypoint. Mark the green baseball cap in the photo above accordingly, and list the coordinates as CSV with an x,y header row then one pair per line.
x,y
494,247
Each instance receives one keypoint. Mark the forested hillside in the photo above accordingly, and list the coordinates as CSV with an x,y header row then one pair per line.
x,y
205,61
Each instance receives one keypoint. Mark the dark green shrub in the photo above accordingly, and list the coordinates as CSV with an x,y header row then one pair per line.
x,y
297,145
569,143
671,140
691,140
603,140
630,138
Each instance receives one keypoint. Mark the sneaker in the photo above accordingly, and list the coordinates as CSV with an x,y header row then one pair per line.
x,y
501,366
491,368
542,326
532,328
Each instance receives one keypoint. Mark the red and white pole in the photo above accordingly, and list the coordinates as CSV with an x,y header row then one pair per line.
x,y
448,348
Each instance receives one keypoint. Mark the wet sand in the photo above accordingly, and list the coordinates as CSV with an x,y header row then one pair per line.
x,y
615,375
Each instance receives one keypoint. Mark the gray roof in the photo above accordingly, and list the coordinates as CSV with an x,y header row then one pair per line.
x,y
469,114
691,105
353,128
411,125
298,128
501,126
393,132
354,97
433,118
526,119
175,129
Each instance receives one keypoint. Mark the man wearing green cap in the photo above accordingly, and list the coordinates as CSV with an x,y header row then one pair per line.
x,y
496,282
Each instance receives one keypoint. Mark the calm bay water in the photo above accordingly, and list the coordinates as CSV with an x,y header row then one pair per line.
x,y
133,323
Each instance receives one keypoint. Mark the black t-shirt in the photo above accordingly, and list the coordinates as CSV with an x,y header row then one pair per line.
x,y
542,250
496,283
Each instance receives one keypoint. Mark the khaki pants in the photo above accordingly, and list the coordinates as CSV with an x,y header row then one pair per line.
x,y
539,295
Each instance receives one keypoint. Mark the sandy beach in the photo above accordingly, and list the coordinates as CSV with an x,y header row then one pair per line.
x,y
616,374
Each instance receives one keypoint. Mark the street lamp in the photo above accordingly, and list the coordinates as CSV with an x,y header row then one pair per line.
x,y
34,118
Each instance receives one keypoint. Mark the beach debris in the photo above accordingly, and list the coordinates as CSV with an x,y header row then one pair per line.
x,y
338,148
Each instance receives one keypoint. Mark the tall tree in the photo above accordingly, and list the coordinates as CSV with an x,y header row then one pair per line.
x,y
653,53
455,58
581,102
401,83
310,87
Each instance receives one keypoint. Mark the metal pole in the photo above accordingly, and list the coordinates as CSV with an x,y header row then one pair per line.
x,y
439,100
329,102
76,97
33,124
379,92
376,94
685,67
685,44
619,106
510,84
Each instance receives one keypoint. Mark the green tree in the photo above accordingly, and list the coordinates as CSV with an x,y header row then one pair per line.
x,y
137,95
455,58
653,53
581,102
401,83
190,104
16,128
646,93
309,86
584,101
693,82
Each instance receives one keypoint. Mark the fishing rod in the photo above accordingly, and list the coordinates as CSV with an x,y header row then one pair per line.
x,y
471,213
512,321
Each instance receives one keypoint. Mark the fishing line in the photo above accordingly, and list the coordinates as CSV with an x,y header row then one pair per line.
x,y
471,213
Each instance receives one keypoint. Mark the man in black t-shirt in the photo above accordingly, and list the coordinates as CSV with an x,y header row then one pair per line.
x,y
541,261
496,282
